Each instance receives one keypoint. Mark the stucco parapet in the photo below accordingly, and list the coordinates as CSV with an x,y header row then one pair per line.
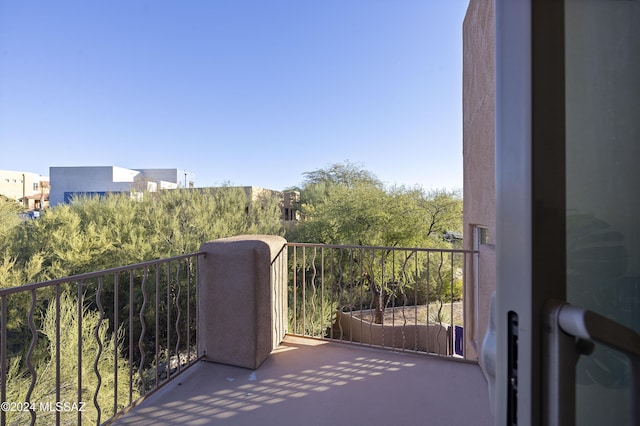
x,y
273,243
237,320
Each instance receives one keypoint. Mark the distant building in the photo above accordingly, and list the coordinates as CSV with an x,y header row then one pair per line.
x,y
291,206
70,182
169,178
287,200
30,189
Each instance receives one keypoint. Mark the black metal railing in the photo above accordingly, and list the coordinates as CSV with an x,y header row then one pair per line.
x,y
85,348
400,298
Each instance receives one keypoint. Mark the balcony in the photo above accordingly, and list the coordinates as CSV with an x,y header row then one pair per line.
x,y
247,331
308,381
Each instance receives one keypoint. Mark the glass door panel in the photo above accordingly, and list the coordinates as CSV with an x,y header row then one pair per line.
x,y
602,70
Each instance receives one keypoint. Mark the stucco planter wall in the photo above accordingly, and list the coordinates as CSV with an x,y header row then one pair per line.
x,y
425,338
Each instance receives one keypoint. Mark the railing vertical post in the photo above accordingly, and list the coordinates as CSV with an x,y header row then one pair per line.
x,y
351,278
471,300
236,293
188,327
476,294
178,315
304,294
32,346
116,355
80,312
3,358
280,311
131,282
295,290
322,307
157,326
168,350
451,295
96,335
197,297
57,352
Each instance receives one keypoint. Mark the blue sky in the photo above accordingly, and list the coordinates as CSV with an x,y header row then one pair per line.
x,y
251,92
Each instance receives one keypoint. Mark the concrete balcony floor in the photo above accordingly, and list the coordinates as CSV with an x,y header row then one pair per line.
x,y
312,382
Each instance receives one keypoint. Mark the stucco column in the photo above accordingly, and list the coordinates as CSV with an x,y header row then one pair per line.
x,y
479,198
242,299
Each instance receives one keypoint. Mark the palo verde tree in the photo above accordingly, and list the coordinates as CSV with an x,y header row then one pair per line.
x,y
344,204
111,367
94,233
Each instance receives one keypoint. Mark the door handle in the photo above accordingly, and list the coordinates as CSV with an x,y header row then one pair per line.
x,y
569,332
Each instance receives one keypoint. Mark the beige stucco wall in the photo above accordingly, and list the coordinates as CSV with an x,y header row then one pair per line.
x,y
433,339
18,185
479,162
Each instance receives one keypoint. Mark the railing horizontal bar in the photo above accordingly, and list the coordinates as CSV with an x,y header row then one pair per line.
x,y
343,246
95,274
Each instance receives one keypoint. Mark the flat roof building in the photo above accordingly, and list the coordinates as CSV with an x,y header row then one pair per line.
x,y
31,189
69,182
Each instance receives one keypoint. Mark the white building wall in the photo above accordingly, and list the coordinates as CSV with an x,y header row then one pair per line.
x,y
124,175
180,178
104,179
94,179
168,185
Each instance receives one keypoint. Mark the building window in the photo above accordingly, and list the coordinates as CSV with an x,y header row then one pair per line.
x,y
36,186
480,236
483,236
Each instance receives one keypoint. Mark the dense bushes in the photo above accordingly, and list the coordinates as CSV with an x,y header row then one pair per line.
x,y
92,234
